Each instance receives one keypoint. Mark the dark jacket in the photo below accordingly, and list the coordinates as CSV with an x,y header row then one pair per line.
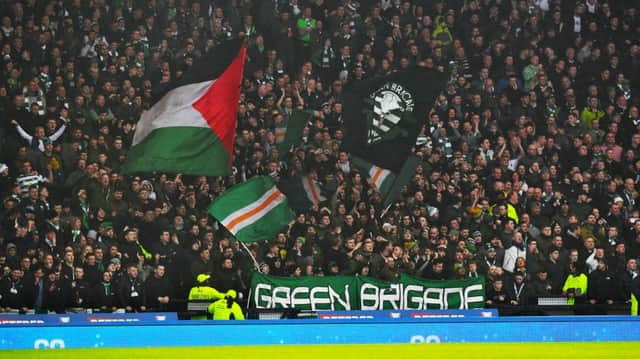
x,y
103,295
602,286
157,287
55,295
519,293
131,292
13,292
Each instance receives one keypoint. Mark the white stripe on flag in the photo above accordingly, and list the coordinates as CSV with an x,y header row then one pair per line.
x,y
280,133
173,110
312,190
249,214
377,175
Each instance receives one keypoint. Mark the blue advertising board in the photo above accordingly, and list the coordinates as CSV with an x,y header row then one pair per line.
x,y
407,314
314,331
39,320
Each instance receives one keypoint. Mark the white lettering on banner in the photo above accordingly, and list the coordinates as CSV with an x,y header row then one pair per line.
x,y
262,298
48,344
396,296
449,291
369,293
469,299
317,300
428,299
303,300
412,301
282,301
335,297
391,295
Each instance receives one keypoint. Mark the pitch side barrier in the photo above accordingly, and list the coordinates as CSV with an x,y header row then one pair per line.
x,y
131,330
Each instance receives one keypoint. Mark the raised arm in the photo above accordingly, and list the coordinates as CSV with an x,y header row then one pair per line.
x,y
21,131
58,133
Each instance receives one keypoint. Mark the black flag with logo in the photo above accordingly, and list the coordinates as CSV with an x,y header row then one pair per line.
x,y
383,115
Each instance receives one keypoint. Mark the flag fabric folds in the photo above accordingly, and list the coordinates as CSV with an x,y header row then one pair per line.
x,y
302,192
191,128
380,179
252,211
383,118
289,132
402,179
384,115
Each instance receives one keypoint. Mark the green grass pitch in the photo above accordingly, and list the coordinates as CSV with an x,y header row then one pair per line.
x,y
367,351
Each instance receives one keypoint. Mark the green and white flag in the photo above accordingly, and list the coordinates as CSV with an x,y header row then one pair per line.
x,y
252,211
380,179
289,132
302,191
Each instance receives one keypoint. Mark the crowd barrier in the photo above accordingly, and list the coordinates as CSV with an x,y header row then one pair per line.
x,y
165,330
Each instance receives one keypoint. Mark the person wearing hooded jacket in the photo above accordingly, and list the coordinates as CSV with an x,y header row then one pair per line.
x,y
226,308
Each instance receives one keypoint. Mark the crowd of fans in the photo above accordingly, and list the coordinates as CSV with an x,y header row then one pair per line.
x,y
531,154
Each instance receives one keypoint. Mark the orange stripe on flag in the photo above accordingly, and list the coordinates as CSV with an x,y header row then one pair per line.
x,y
312,188
252,212
375,177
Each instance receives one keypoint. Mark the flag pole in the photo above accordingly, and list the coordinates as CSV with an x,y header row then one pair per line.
x,y
384,211
255,262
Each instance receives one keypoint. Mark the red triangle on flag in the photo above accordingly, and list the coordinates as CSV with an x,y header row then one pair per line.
x,y
219,105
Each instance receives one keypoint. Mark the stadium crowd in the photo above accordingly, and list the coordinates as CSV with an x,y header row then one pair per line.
x,y
530,156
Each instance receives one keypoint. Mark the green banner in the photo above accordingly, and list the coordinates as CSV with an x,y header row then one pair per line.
x,y
363,293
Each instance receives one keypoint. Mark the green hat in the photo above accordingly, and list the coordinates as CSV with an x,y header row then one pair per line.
x,y
106,224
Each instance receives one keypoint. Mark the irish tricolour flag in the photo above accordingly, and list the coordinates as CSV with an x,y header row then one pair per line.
x,y
302,191
380,179
191,128
252,211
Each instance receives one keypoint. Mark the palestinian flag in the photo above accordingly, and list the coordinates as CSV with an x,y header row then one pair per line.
x,y
302,192
380,179
289,132
252,211
191,128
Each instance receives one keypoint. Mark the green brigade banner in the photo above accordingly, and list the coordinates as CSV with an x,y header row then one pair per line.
x,y
307,293
363,293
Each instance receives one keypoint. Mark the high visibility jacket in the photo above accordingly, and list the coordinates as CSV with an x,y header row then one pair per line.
x,y
203,293
635,295
226,309
579,283
511,212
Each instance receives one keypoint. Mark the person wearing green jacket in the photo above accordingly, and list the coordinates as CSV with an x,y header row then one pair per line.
x,y
306,24
575,286
530,73
226,308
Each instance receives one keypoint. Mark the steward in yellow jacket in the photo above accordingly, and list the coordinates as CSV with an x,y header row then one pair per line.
x,y
202,291
635,295
575,286
226,308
